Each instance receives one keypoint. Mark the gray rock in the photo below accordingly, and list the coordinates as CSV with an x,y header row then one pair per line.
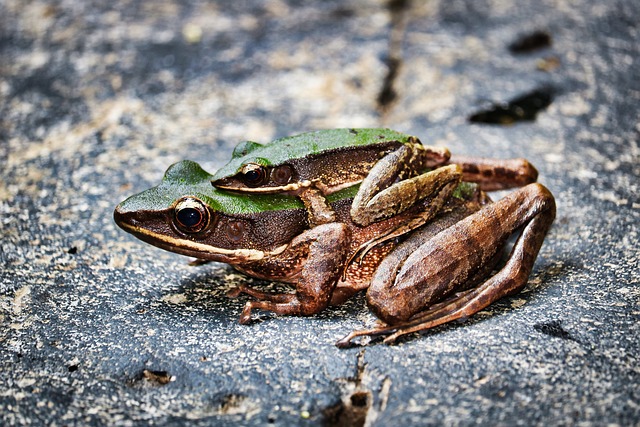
x,y
98,99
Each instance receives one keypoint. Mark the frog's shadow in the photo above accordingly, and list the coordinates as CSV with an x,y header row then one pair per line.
x,y
199,293
205,293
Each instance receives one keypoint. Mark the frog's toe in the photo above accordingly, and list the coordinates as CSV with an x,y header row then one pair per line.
x,y
245,316
235,292
366,335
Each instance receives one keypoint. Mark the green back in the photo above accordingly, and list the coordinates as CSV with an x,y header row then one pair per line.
x,y
294,147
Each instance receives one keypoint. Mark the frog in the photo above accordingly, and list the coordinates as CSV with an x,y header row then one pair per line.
x,y
395,170
425,276
315,164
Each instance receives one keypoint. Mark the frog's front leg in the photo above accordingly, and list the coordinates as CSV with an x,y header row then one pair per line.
x,y
325,249
452,258
318,209
391,186
435,187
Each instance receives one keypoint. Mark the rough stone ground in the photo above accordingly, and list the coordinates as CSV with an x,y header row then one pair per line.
x,y
98,98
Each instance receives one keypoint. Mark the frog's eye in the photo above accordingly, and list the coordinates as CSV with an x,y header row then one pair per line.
x,y
191,215
253,174
282,174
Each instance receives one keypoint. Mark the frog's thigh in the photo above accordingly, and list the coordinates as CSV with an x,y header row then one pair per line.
x,y
452,257
407,161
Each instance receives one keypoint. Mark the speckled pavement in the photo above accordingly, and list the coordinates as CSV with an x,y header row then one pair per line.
x,y
97,99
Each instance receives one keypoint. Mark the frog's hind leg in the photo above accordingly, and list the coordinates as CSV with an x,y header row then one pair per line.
x,y
454,255
495,174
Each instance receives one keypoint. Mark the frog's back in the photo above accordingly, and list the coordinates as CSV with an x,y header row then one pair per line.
x,y
307,144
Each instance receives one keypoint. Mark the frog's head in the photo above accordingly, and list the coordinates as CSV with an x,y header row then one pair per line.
x,y
258,168
186,215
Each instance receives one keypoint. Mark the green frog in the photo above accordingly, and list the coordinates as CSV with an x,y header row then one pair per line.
x,y
270,237
395,171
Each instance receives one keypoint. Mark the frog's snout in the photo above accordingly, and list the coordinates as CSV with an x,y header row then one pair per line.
x,y
126,218
122,217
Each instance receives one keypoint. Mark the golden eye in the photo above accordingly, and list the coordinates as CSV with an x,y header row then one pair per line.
x,y
191,215
253,174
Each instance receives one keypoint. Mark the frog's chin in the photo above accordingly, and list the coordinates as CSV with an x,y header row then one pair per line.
x,y
196,249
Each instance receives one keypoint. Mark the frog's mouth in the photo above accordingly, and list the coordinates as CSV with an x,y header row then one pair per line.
x,y
153,229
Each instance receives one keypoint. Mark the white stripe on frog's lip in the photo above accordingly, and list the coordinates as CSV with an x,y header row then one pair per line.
x,y
325,189
294,186
200,248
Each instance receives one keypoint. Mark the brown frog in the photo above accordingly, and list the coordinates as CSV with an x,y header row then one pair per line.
x,y
418,276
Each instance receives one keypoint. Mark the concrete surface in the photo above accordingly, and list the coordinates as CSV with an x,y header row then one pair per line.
x,y
99,98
